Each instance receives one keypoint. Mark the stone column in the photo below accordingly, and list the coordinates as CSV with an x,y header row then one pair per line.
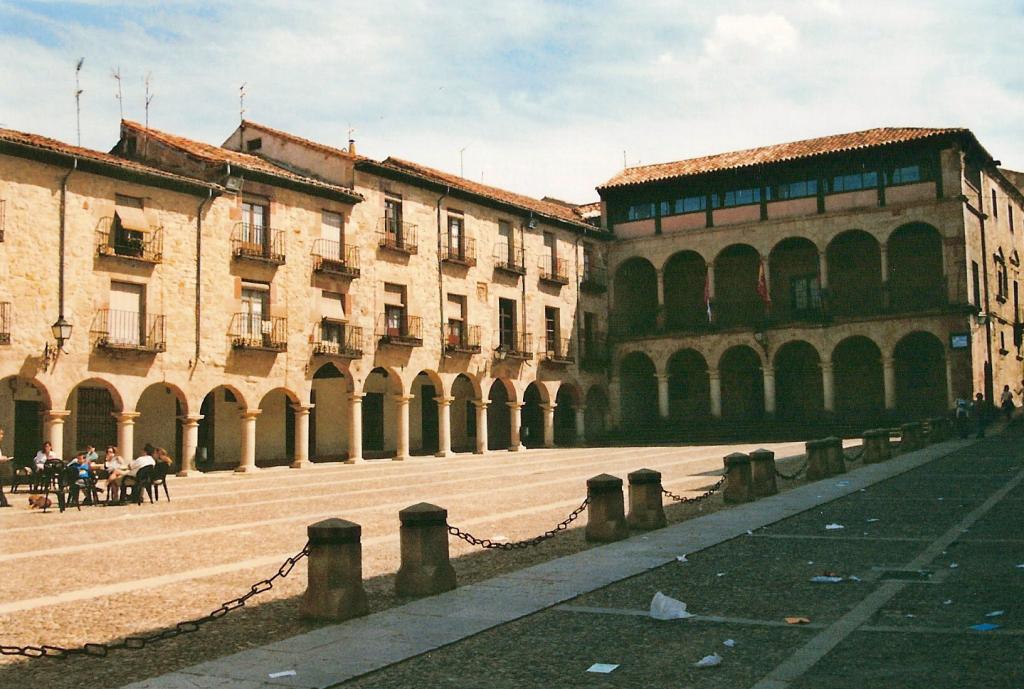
x,y
301,457
710,281
715,388
189,443
828,390
889,381
548,410
823,270
481,426
766,262
54,422
335,589
659,317
248,459
950,390
614,401
126,433
402,440
662,394
355,428
581,424
884,260
515,418
768,373
444,426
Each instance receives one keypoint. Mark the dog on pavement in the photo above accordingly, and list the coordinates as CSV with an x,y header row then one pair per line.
x,y
39,502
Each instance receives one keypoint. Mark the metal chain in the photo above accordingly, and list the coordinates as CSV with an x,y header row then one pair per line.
x,y
795,475
489,544
703,496
186,627
854,456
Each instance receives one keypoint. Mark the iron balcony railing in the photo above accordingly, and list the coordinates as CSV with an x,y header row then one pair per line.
x,y
335,259
554,270
462,252
595,279
510,260
5,322
401,331
558,350
334,338
395,235
258,243
462,339
594,355
114,240
128,331
257,332
513,345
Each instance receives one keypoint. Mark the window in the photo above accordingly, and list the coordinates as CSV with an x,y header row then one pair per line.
x,y
742,197
640,211
332,229
456,225
254,144
995,206
130,226
551,249
255,308
854,182
976,283
394,310
255,217
691,204
506,242
1009,216
126,318
806,293
795,190
456,314
393,219
908,174
507,323
551,328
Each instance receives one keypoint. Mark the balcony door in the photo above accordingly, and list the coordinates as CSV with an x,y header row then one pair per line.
x,y
551,329
255,309
254,222
393,221
126,320
455,237
507,323
332,230
506,243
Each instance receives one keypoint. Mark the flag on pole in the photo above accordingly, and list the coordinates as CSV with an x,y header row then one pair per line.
x,y
707,294
762,286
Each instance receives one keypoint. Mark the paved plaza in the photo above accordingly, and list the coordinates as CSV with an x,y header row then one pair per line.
x,y
105,572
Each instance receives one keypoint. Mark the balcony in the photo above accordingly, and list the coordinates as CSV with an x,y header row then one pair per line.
x,y
400,331
252,331
257,243
595,280
461,253
462,339
558,350
335,338
595,354
515,345
5,322
397,236
331,258
115,241
512,261
638,323
128,331
554,270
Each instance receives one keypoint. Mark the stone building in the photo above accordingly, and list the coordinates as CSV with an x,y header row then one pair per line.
x,y
855,277
275,299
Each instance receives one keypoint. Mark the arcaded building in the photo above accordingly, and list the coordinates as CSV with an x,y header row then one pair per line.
x,y
853,278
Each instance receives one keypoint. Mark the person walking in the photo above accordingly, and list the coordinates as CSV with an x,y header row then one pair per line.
x,y
979,410
962,417
1006,402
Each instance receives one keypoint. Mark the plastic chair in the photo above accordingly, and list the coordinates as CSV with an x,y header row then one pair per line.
x,y
160,479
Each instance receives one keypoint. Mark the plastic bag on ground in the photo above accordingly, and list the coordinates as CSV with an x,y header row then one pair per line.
x,y
667,608
709,661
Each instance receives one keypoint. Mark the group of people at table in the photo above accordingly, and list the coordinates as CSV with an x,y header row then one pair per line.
x,y
88,467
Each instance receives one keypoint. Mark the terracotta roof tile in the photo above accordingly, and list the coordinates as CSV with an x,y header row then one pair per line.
x,y
48,144
775,154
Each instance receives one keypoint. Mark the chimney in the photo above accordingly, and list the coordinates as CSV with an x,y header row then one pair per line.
x,y
352,147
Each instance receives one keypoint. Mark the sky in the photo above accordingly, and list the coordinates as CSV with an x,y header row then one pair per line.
x,y
540,97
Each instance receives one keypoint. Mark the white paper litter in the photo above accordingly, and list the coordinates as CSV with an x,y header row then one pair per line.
x,y
667,608
720,574
948,601
995,613
749,532
283,673
1020,566
853,577
709,661
823,579
843,483
833,527
810,562
731,643
603,668
872,520
953,565
681,558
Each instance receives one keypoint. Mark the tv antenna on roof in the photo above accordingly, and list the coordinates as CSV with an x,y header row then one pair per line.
x,y
241,102
78,100
116,74
461,167
149,96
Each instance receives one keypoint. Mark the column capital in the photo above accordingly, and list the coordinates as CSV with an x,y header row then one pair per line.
x,y
549,407
768,370
251,413
515,405
191,419
714,374
57,415
661,376
888,361
825,364
481,404
125,416
402,398
444,400
357,397
579,407
302,408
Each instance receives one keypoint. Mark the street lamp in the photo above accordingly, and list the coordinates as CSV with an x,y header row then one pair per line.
x,y
61,331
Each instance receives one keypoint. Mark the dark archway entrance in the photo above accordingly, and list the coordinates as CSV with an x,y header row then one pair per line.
x,y
798,390
689,392
915,268
636,298
859,381
854,274
638,392
737,302
742,385
920,367
684,276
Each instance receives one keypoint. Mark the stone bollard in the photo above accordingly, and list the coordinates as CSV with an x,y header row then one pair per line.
x,y
425,568
762,473
911,437
818,466
646,510
606,518
876,446
836,456
335,589
737,479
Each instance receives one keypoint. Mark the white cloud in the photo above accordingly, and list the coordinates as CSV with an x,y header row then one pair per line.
x,y
769,32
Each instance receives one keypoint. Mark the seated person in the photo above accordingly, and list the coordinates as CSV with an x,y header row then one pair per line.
x,y
43,456
81,468
115,466
163,457
137,464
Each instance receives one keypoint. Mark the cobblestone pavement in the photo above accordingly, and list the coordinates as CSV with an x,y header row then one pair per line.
x,y
106,572
925,556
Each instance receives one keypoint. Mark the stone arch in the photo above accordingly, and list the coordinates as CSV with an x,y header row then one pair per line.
x,y
919,359
330,419
635,296
638,392
799,394
23,405
93,404
424,433
567,400
595,419
275,427
854,260
795,282
95,382
737,302
532,416
161,407
689,389
499,416
684,275
381,388
742,384
859,380
916,270
465,390
220,430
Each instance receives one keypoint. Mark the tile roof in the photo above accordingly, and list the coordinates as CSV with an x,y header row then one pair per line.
x,y
55,146
778,153
556,211
215,154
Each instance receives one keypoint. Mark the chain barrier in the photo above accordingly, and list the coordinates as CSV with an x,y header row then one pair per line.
x,y
855,456
186,627
699,498
796,474
516,545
